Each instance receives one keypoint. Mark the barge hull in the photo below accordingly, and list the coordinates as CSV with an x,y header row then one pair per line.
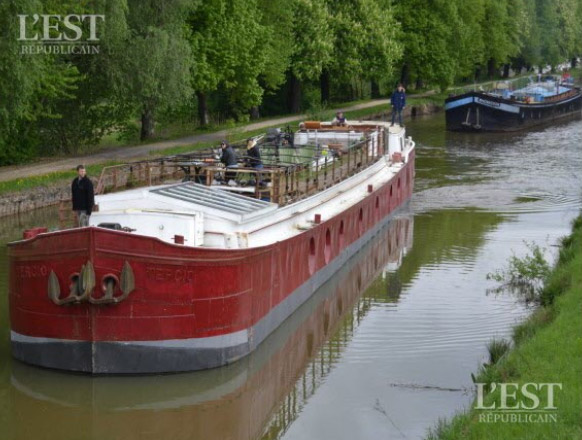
x,y
476,112
210,308
133,357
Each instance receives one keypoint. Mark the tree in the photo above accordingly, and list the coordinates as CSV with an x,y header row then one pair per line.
x,y
559,27
30,86
154,71
430,52
382,48
501,26
229,50
90,109
277,19
469,38
312,46
365,47
530,53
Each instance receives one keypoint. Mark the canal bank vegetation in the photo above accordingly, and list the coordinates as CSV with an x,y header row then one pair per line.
x,y
165,68
547,348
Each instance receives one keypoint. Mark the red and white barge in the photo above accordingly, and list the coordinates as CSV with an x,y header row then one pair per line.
x,y
200,274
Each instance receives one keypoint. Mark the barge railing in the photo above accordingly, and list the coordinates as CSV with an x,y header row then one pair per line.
x,y
280,181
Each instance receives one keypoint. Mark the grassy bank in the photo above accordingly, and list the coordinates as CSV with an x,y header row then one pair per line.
x,y
28,183
547,349
235,134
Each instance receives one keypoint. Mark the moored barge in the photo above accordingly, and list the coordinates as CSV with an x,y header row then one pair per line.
x,y
503,109
194,274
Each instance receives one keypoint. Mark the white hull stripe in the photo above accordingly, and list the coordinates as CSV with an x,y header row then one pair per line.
x,y
458,103
505,107
217,342
498,105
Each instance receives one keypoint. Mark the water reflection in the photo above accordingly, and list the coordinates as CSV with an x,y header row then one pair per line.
x,y
234,402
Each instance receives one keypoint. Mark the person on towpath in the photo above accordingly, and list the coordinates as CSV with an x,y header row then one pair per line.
x,y
398,101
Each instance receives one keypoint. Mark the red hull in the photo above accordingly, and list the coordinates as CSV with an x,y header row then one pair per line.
x,y
181,293
230,410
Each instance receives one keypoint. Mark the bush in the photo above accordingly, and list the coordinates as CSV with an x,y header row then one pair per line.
x,y
526,275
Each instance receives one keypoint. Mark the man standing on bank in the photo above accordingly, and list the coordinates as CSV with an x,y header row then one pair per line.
x,y
83,196
398,102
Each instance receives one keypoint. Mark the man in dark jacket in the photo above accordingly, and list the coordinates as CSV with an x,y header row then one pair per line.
x,y
228,158
83,196
398,101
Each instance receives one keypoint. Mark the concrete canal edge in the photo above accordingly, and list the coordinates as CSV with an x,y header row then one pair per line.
x,y
544,365
29,199
33,198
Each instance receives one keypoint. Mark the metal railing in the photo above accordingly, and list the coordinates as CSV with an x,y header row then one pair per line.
x,y
495,87
288,174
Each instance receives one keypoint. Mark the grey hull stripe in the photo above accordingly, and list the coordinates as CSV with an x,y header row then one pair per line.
x,y
129,357
221,341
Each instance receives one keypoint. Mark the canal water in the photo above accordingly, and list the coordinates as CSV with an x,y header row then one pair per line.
x,y
383,350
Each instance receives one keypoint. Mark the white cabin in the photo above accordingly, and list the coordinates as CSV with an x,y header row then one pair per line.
x,y
215,217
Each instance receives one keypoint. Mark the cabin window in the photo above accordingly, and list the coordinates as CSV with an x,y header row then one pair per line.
x,y
327,249
311,259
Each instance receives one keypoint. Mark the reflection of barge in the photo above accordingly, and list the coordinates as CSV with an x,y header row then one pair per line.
x,y
234,402
199,276
502,109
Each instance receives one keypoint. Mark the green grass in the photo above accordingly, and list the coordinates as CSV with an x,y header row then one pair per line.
x,y
45,180
548,349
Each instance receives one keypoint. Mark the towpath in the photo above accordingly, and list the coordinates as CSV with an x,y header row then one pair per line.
x,y
49,165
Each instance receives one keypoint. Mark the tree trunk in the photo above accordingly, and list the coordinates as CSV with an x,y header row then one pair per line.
x,y
419,84
294,94
506,70
147,123
202,108
574,62
477,73
254,112
405,75
324,86
374,89
491,69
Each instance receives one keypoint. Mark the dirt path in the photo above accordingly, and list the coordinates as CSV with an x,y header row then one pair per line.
x,y
48,165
